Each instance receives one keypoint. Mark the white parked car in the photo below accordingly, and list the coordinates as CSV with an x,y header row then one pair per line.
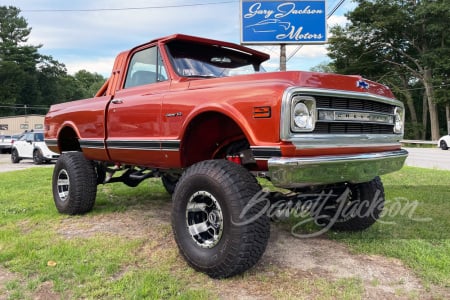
x,y
32,146
444,142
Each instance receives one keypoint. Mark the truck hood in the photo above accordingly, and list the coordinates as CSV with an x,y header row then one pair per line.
x,y
352,83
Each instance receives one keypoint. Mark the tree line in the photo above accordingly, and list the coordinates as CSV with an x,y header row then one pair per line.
x,y
403,44
29,81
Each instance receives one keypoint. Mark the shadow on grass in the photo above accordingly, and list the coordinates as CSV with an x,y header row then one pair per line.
x,y
118,197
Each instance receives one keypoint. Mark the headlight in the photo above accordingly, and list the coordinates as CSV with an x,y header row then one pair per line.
x,y
303,114
399,120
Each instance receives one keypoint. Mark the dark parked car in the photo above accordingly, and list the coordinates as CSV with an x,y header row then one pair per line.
x,y
5,144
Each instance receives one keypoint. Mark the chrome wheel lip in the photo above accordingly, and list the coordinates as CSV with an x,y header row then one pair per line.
x,y
204,219
63,185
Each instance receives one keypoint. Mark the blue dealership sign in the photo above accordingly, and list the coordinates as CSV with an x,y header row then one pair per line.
x,y
283,22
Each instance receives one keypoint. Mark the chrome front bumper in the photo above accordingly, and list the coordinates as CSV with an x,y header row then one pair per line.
x,y
294,172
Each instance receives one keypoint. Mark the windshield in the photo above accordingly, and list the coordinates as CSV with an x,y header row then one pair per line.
x,y
200,60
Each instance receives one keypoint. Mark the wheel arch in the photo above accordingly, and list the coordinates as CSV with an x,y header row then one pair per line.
x,y
68,138
35,148
209,132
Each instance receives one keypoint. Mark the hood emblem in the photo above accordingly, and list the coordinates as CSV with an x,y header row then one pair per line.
x,y
362,84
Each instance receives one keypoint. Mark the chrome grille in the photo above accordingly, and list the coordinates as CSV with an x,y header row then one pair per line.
x,y
353,104
352,127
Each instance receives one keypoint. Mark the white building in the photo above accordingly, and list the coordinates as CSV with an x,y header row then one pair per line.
x,y
18,124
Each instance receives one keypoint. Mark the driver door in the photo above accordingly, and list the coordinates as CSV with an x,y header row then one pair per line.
x,y
134,114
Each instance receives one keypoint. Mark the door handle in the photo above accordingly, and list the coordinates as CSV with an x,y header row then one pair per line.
x,y
117,101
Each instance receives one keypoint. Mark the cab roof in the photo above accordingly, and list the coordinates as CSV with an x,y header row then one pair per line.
x,y
257,55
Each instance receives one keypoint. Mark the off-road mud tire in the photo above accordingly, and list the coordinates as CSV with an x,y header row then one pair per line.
x,y
74,184
241,243
169,182
365,201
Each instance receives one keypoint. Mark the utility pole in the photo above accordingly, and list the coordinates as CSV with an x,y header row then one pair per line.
x,y
282,57
328,16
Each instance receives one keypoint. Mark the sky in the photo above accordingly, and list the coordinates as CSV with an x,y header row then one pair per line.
x,y
88,34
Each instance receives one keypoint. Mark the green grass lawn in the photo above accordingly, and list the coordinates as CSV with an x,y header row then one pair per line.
x,y
415,227
85,267
135,267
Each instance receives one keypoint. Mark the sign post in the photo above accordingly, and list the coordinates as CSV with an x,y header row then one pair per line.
x,y
283,57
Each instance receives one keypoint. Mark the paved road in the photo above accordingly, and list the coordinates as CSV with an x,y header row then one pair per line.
x,y
6,165
433,158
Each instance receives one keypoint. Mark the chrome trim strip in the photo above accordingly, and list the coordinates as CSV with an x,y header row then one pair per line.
x,y
148,145
366,112
92,144
293,172
170,145
313,141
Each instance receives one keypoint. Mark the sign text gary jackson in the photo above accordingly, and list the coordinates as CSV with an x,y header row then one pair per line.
x,y
283,22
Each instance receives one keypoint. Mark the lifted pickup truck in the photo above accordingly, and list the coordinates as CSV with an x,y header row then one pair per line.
x,y
205,117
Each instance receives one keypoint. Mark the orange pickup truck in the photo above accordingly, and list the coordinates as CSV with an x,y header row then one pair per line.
x,y
205,117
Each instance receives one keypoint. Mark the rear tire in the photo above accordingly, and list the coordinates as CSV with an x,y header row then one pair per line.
x,y
358,211
444,145
15,159
169,182
210,231
74,184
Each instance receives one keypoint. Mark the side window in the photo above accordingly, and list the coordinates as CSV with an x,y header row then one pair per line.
x,y
145,67
39,137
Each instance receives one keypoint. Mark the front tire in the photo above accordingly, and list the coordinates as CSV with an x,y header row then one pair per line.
x,y
444,145
216,227
74,184
38,158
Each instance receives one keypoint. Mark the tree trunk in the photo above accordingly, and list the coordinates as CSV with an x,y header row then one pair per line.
x,y
447,114
411,108
412,112
424,116
432,107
